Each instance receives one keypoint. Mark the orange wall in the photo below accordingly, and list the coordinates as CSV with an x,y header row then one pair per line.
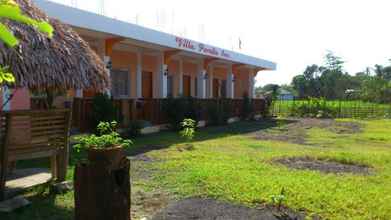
x,y
191,69
241,82
126,61
173,70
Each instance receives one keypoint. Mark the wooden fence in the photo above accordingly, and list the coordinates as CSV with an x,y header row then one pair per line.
x,y
152,110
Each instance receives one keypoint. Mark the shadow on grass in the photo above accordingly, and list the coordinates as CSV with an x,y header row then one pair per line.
x,y
42,207
165,139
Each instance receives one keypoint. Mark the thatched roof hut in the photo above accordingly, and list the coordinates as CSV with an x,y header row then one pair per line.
x,y
62,62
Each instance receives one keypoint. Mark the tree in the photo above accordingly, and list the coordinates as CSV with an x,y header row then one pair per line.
x,y
327,81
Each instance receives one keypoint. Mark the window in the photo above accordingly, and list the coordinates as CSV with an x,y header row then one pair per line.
x,y
170,86
120,83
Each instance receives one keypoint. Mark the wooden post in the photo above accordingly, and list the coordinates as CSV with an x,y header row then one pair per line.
x,y
4,157
63,156
101,193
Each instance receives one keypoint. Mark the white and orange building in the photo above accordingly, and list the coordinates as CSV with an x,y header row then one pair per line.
x,y
148,64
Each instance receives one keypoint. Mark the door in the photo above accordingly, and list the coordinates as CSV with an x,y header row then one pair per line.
x,y
147,85
186,86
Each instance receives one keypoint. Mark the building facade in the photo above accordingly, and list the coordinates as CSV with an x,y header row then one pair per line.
x,y
148,64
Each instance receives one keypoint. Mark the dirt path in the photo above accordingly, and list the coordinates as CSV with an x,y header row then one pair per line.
x,y
209,209
325,166
296,130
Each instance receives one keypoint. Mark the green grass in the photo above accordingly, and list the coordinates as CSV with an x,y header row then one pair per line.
x,y
229,165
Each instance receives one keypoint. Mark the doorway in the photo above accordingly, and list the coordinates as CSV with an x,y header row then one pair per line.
x,y
147,80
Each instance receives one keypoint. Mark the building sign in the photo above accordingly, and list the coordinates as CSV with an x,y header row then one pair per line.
x,y
201,48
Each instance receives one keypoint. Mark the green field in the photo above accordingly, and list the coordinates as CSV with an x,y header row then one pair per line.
x,y
230,164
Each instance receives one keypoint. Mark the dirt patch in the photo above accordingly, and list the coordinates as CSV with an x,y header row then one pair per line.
x,y
145,204
210,209
325,166
296,132
346,128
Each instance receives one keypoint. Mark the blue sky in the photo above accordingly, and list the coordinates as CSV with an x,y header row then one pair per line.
x,y
292,33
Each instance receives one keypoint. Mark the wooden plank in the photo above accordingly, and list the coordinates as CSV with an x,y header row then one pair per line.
x,y
48,127
64,155
32,155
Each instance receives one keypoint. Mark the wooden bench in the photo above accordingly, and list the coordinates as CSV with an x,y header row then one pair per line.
x,y
31,134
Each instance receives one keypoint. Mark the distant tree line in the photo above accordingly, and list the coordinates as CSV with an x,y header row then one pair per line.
x,y
332,82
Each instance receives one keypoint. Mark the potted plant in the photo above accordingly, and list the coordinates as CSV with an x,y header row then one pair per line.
x,y
106,147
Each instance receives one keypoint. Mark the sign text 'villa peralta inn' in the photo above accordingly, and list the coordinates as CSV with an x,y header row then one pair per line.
x,y
202,48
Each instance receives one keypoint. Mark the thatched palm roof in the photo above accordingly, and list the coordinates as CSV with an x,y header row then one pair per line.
x,y
62,62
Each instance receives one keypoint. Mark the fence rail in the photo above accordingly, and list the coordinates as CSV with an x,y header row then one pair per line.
x,y
340,108
152,110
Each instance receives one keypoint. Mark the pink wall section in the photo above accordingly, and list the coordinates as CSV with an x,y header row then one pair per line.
x,y
20,100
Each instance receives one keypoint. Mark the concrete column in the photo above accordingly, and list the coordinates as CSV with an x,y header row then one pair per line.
x,y
230,83
180,78
162,77
139,76
210,83
201,84
251,89
79,93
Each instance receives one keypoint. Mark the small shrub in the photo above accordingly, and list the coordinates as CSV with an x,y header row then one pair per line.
x,y
219,112
279,199
134,129
103,110
177,109
187,132
313,108
188,129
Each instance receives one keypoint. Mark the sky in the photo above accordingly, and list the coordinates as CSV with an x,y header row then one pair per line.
x,y
293,34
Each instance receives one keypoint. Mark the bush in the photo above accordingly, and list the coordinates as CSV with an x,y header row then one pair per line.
x,y
178,109
134,129
219,112
247,107
103,110
314,108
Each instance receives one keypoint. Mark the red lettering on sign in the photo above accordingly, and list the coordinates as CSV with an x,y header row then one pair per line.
x,y
181,42
188,44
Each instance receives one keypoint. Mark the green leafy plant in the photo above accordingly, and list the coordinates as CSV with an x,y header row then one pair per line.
x,y
107,138
103,109
188,129
9,9
177,109
279,199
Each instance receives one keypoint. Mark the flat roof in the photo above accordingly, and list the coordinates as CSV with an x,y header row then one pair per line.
x,y
92,21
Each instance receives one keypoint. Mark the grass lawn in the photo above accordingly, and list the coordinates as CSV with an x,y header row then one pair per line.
x,y
228,163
